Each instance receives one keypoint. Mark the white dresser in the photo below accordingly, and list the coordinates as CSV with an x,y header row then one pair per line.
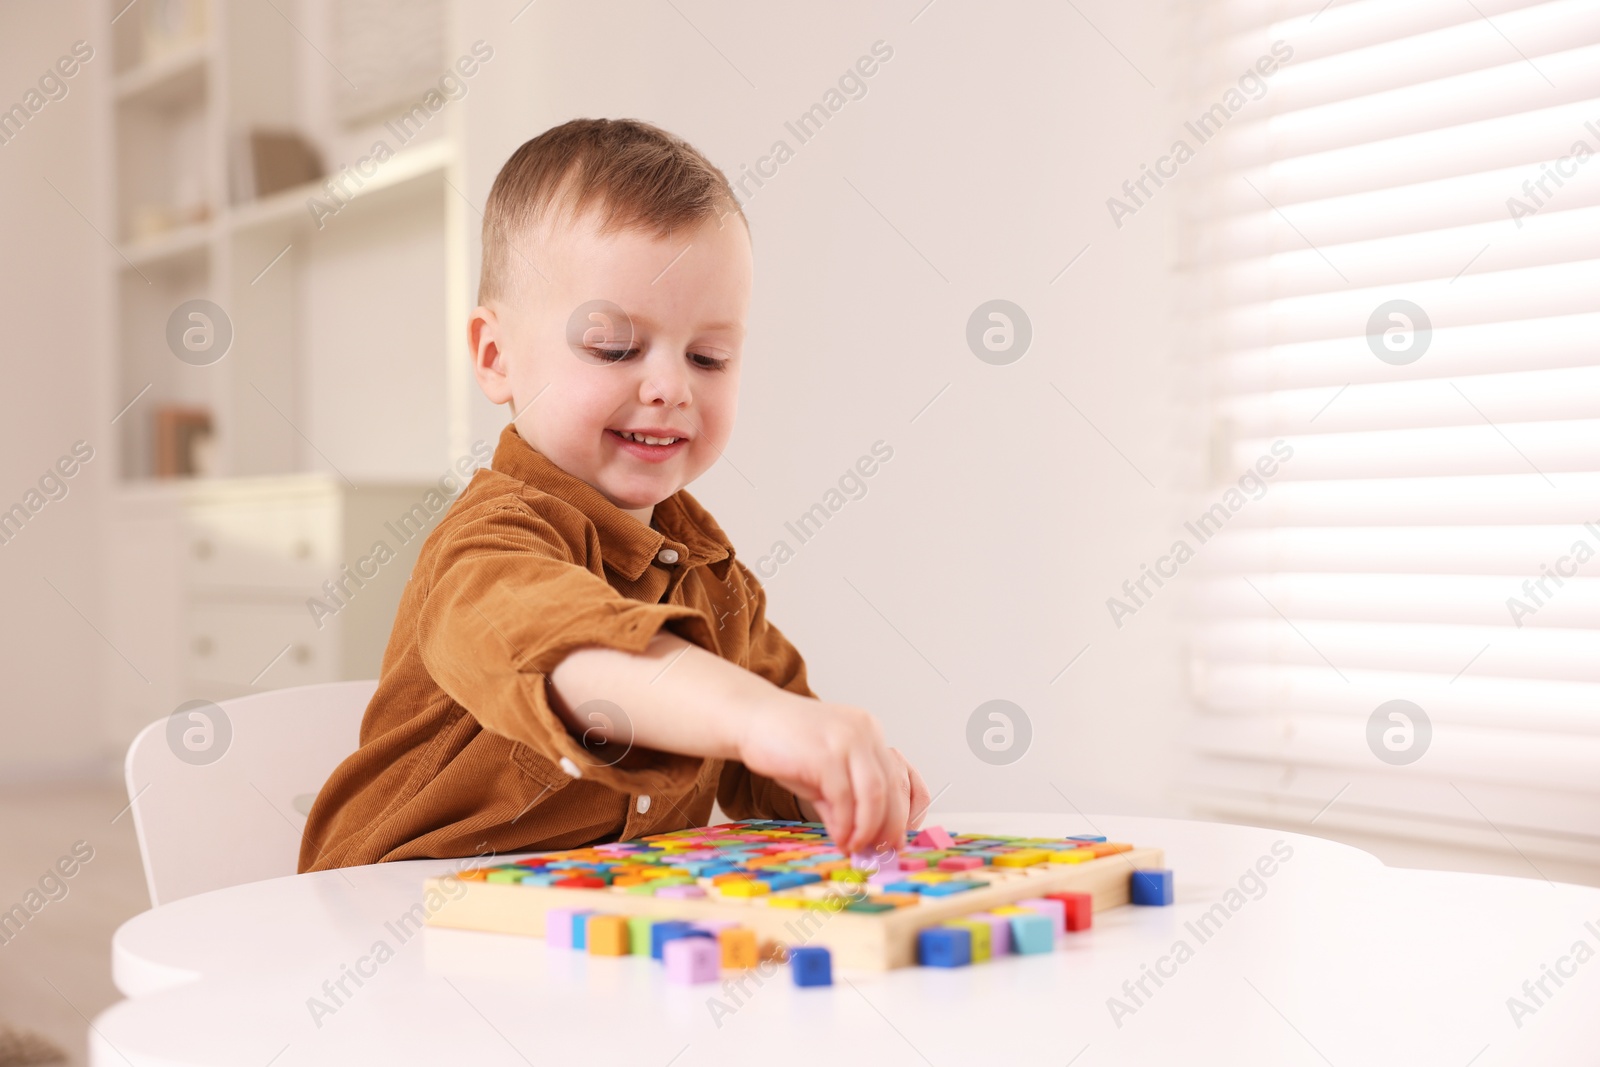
x,y
223,587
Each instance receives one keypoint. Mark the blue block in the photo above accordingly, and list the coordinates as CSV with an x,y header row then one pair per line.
x,y
538,879
1032,934
944,889
580,931
1150,887
789,880
812,965
662,932
946,946
1093,839
905,887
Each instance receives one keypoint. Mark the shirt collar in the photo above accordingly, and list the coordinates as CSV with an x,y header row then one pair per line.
x,y
626,545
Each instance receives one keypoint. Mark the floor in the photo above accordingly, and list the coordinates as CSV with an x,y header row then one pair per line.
x,y
55,973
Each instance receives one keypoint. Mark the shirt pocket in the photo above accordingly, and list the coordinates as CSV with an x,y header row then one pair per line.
x,y
538,768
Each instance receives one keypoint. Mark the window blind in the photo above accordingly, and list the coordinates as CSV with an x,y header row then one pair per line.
x,y
1435,536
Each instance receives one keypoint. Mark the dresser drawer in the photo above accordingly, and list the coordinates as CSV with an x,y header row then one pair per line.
x,y
285,544
233,642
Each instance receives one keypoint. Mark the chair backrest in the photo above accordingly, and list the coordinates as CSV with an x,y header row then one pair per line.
x,y
220,792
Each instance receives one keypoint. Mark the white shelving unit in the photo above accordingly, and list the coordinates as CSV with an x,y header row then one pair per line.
x,y
343,395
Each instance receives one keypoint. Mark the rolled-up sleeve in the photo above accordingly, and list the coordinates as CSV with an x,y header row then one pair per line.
x,y
741,792
506,602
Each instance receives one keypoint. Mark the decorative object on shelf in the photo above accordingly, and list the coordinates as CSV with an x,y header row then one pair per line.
x,y
183,442
172,25
393,50
266,161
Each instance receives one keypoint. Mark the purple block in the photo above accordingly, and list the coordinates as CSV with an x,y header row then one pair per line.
x,y
558,923
1055,909
692,960
679,892
999,932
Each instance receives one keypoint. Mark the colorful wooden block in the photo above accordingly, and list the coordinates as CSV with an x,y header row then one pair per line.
x,y
933,837
1079,909
692,960
560,926
738,946
944,946
1031,933
639,935
662,933
982,936
1054,909
960,863
811,965
999,931
607,935
1150,887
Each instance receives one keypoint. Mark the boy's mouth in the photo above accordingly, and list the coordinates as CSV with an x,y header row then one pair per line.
x,y
640,444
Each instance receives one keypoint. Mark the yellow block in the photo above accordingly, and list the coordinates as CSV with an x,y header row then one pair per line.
x,y
738,947
930,877
845,875
744,888
1011,909
981,933
788,902
607,935
1026,857
1073,855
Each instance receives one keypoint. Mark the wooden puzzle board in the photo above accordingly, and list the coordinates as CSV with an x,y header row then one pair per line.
x,y
868,941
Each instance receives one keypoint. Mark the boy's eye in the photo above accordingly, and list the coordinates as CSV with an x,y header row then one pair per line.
x,y
617,355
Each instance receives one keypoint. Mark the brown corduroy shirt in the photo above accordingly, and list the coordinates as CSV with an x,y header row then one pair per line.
x,y
461,752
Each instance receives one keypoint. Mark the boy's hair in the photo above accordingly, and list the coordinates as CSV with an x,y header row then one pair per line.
x,y
639,175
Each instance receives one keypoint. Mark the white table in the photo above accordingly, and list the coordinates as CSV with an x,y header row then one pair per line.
x,y
1333,959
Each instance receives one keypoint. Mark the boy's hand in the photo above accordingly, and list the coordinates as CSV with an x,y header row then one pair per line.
x,y
833,756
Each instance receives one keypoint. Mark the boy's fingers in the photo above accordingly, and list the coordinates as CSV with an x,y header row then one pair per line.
x,y
872,796
920,799
838,794
894,833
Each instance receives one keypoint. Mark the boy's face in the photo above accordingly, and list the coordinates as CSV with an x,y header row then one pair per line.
x,y
576,374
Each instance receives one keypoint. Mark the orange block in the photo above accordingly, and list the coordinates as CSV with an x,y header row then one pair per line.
x,y
607,935
738,948
899,900
1108,848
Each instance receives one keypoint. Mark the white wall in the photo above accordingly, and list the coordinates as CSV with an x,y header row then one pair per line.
x,y
978,563
52,313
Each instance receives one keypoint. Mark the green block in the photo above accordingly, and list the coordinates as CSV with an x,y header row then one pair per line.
x,y
511,876
648,889
639,935
981,935
868,907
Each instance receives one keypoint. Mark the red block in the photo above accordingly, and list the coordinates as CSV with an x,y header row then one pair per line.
x,y
1080,909
580,881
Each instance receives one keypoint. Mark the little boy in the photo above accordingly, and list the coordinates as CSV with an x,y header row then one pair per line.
x,y
578,657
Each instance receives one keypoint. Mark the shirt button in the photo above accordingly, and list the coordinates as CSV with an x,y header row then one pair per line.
x,y
643,804
570,767
668,555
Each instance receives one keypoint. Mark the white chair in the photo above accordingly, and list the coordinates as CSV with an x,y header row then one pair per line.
x,y
222,800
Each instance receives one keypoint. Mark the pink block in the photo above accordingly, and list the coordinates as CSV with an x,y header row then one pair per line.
x,y
1056,909
999,931
933,837
959,863
679,892
913,863
870,861
692,960
558,925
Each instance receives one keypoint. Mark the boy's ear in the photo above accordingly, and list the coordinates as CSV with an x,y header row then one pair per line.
x,y
484,334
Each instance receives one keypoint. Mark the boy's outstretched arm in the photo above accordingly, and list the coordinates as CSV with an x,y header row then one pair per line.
x,y
680,698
